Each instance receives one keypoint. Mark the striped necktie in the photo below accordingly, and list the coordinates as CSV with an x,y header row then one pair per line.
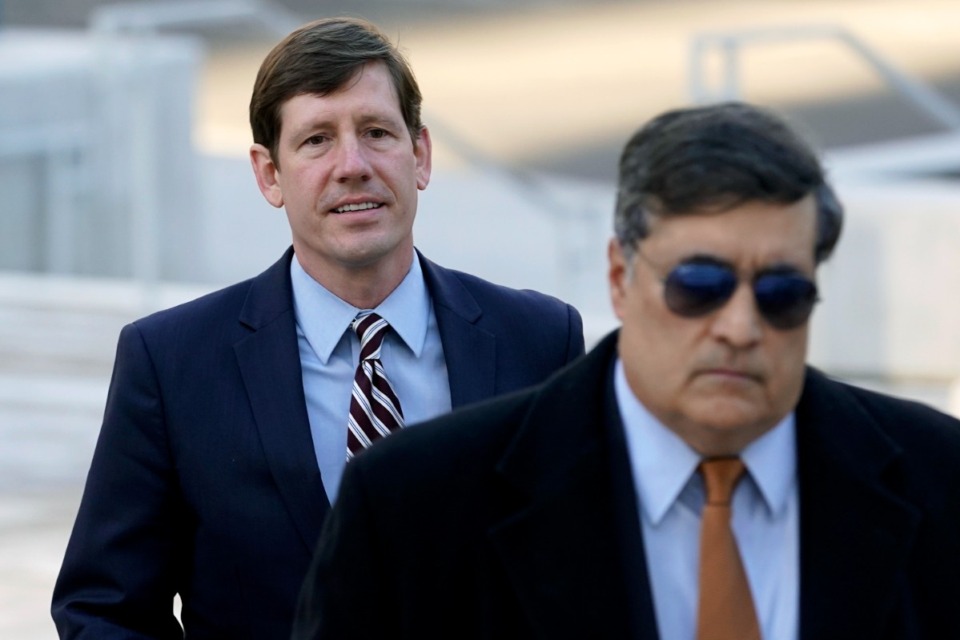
x,y
374,408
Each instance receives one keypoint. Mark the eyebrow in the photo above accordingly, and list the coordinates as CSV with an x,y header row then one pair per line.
x,y
327,123
705,258
779,266
368,118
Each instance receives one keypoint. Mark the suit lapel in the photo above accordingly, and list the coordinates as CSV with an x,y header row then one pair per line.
x,y
573,552
855,532
269,362
470,352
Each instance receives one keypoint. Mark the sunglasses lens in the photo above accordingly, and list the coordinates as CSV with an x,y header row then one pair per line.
x,y
694,289
786,300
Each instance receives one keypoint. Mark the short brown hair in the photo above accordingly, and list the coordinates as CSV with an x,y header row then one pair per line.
x,y
320,58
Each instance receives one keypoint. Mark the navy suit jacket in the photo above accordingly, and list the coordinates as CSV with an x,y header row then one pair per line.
x,y
204,480
517,518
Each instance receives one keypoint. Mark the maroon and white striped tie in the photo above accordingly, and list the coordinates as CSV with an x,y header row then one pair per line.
x,y
374,408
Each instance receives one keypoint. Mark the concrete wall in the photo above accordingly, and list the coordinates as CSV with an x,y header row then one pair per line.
x,y
96,155
890,302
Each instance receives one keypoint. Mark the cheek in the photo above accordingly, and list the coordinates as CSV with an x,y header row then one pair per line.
x,y
663,346
789,365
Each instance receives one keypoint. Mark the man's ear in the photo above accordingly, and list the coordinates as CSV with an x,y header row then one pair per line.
x,y
267,174
423,150
618,275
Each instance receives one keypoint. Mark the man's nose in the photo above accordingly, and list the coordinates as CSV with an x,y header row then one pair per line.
x,y
352,162
739,322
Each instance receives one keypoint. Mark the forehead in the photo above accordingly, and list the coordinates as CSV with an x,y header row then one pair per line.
x,y
369,93
751,234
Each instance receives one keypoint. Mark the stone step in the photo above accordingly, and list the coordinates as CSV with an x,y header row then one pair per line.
x,y
69,325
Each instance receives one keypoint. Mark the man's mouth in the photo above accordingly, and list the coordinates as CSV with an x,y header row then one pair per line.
x,y
360,206
731,373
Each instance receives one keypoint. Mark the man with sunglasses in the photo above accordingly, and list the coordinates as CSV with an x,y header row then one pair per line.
x,y
689,478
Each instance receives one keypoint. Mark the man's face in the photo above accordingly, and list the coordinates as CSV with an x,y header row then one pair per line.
x,y
347,174
722,379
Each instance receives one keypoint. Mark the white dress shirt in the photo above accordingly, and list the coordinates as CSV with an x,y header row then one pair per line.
x,y
412,357
670,495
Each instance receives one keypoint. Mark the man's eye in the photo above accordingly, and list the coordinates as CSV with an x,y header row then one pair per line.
x,y
377,133
315,140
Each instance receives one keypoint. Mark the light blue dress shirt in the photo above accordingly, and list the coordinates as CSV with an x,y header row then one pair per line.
x,y
670,495
412,357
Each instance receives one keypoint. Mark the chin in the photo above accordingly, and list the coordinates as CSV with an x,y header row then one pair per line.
x,y
726,416
365,254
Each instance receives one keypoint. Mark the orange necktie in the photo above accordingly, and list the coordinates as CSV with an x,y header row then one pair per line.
x,y
726,610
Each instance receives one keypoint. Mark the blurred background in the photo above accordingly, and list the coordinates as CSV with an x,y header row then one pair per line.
x,y
126,188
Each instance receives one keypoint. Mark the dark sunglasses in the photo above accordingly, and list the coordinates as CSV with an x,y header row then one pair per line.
x,y
696,287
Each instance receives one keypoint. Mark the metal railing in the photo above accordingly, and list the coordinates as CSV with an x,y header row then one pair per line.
x,y
134,18
128,22
728,45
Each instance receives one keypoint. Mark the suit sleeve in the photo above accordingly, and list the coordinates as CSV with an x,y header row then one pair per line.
x,y
346,592
118,575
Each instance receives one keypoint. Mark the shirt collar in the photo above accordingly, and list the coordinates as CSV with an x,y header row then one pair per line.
x,y
663,463
772,462
322,317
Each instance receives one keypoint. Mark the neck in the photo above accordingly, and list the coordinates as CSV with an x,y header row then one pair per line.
x,y
721,443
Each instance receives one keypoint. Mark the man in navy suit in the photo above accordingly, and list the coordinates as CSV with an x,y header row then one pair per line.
x,y
225,430
579,508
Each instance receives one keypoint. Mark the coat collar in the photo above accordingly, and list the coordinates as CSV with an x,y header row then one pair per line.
x,y
269,361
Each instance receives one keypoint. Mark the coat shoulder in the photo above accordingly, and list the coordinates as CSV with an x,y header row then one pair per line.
x,y
215,302
928,439
449,286
486,291
901,419
256,301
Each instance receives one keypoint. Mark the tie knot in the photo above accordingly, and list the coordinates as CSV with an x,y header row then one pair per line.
x,y
371,329
721,476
